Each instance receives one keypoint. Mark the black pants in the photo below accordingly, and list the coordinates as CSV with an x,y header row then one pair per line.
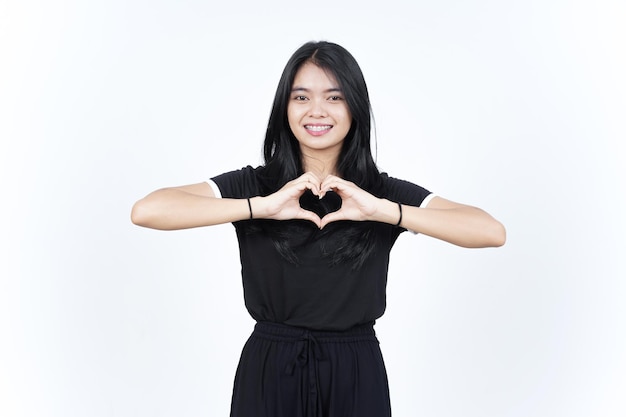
x,y
293,372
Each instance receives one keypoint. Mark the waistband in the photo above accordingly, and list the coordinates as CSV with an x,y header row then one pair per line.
x,y
283,332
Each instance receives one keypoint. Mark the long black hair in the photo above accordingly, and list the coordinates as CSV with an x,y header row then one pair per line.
x,y
351,241
281,151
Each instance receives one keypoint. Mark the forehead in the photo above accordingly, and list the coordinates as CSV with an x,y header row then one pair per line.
x,y
310,75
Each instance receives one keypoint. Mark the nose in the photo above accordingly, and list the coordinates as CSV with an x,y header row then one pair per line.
x,y
318,109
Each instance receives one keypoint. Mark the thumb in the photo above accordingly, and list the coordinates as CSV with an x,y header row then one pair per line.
x,y
310,216
331,217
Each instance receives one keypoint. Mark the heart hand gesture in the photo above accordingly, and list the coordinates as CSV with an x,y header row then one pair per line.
x,y
287,203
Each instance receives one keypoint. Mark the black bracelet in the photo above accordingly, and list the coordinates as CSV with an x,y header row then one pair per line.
x,y
250,208
400,219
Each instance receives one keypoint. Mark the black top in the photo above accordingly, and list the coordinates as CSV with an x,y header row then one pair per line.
x,y
312,293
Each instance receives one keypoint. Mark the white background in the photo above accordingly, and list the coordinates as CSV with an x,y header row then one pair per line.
x,y
517,107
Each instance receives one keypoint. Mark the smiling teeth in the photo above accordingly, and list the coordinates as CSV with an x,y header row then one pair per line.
x,y
318,128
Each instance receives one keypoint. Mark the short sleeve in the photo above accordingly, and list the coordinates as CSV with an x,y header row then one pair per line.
x,y
241,183
406,192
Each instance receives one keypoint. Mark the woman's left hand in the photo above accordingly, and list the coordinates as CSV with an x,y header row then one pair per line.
x,y
356,204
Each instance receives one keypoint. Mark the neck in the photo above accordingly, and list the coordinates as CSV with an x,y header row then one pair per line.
x,y
322,167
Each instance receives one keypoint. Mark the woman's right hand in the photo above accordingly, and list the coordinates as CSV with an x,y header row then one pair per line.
x,y
284,204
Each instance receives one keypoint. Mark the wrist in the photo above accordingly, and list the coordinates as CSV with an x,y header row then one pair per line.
x,y
250,209
399,224
256,208
388,212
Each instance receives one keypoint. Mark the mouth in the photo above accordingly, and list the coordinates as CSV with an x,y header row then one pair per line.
x,y
318,128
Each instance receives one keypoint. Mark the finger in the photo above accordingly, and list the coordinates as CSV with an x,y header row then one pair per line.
x,y
302,179
332,182
309,181
315,189
330,179
327,185
311,177
303,183
332,217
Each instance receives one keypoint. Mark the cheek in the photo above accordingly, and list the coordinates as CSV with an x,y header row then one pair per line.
x,y
344,114
291,119
346,118
293,115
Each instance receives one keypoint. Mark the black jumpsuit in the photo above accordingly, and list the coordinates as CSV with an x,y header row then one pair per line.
x,y
313,352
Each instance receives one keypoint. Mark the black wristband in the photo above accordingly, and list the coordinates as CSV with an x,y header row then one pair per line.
x,y
400,219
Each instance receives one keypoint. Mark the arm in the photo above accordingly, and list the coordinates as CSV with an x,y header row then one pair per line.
x,y
452,222
185,207
443,219
196,205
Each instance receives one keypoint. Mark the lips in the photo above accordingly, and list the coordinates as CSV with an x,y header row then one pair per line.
x,y
317,129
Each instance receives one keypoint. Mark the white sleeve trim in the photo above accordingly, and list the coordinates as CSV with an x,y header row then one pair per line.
x,y
423,205
427,200
215,188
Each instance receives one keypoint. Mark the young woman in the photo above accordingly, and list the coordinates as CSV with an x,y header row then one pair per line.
x,y
315,226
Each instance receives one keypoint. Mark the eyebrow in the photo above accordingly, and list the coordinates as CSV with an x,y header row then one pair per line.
x,y
307,90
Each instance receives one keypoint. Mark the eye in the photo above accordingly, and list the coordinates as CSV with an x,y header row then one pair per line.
x,y
335,98
300,98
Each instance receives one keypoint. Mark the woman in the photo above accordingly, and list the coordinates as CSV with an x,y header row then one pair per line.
x,y
315,226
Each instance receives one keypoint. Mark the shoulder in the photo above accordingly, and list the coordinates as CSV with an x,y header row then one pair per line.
x,y
403,191
240,183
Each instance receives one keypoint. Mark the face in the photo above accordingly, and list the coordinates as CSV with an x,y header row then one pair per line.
x,y
318,113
